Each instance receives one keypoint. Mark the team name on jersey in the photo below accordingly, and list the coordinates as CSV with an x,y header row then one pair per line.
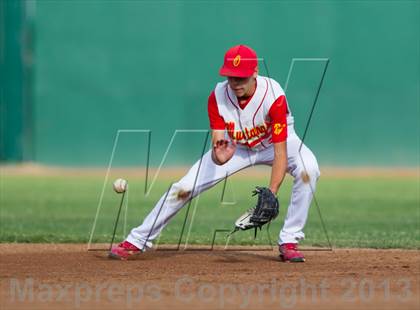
x,y
247,135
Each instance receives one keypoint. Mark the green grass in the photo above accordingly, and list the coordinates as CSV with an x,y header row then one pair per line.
x,y
358,212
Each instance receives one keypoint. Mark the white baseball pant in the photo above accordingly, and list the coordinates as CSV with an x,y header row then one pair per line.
x,y
303,168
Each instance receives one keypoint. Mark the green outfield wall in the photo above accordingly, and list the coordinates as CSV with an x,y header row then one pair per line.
x,y
101,66
16,95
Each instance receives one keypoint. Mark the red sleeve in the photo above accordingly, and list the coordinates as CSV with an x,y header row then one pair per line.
x,y
278,113
216,121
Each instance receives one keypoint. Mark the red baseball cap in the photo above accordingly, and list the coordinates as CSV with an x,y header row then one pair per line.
x,y
240,61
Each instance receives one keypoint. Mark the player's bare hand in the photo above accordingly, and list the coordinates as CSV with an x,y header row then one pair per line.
x,y
223,150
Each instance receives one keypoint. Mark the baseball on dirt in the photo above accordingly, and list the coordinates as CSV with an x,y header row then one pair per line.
x,y
120,185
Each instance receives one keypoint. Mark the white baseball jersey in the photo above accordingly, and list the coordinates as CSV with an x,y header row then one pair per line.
x,y
252,126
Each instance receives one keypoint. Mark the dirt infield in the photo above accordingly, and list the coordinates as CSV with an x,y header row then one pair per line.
x,y
40,276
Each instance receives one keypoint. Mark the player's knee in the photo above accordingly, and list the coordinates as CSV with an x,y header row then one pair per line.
x,y
181,191
308,173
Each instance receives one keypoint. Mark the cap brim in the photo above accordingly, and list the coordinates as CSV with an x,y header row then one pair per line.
x,y
235,73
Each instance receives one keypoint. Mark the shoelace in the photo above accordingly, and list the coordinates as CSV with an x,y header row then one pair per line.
x,y
290,246
128,246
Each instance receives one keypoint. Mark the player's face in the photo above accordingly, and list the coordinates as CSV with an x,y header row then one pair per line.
x,y
242,87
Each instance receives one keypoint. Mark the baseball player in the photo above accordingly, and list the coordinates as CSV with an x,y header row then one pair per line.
x,y
251,124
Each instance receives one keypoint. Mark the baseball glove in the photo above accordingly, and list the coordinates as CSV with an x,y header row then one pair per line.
x,y
265,211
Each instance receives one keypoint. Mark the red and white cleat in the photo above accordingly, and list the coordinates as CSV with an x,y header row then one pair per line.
x,y
123,251
289,253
